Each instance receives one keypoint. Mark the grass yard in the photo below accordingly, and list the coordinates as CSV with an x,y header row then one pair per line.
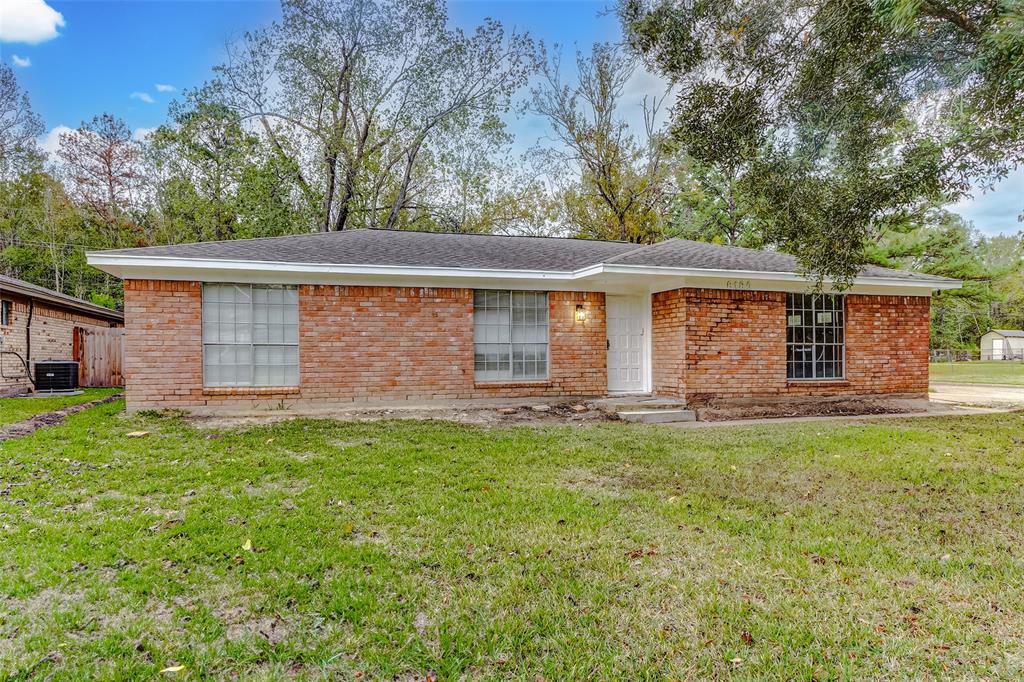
x,y
18,409
319,549
983,372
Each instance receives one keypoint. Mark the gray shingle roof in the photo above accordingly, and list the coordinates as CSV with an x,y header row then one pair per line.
x,y
473,251
398,247
681,253
1010,333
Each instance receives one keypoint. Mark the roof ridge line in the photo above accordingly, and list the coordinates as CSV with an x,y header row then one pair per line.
x,y
639,248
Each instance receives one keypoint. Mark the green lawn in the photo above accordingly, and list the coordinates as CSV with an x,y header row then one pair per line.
x,y
329,550
18,409
986,372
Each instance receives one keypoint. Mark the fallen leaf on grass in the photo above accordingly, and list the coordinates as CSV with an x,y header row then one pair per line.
x,y
637,553
136,434
247,545
165,524
173,669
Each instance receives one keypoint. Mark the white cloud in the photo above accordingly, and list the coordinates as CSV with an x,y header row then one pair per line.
x,y
29,21
141,134
142,97
22,62
163,87
51,140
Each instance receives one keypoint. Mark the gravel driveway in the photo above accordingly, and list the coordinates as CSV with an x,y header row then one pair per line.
x,y
987,395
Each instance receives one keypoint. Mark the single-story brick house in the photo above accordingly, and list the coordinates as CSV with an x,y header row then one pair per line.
x,y
38,324
375,315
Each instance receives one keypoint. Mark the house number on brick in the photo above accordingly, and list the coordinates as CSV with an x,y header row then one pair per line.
x,y
742,284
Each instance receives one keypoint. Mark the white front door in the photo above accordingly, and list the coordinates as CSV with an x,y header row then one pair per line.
x,y
625,318
997,349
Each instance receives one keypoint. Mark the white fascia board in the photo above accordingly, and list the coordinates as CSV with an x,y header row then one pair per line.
x,y
760,275
126,265
122,262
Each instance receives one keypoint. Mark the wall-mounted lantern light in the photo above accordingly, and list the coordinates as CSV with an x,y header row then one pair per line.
x,y
581,313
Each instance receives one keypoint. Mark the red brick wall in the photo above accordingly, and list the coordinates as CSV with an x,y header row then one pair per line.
x,y
384,343
668,343
163,344
889,335
355,344
735,346
52,338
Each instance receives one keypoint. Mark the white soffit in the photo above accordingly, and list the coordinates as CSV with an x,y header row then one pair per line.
x,y
601,277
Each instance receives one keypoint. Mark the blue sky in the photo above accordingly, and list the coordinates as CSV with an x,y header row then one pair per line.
x,y
132,57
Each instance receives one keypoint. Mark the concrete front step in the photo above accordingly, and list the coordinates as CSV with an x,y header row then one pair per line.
x,y
658,416
638,404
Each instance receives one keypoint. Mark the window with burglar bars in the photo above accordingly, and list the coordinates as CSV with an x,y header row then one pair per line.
x,y
250,335
815,339
510,334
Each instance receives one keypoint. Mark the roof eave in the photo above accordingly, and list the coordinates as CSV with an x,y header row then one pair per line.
x,y
120,264
931,283
83,307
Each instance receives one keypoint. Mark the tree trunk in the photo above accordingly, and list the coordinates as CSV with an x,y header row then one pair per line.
x,y
403,190
332,171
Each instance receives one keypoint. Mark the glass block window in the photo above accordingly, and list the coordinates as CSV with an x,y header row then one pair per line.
x,y
510,335
815,342
250,335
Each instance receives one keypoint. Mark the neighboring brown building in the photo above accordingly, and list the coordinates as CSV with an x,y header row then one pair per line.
x,y
374,315
38,324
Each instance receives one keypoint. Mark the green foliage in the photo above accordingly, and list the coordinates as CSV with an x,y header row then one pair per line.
x,y
615,183
105,300
840,120
946,245
711,207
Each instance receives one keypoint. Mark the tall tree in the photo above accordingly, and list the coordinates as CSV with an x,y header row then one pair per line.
x,y
841,118
101,162
206,147
710,206
352,92
19,127
617,178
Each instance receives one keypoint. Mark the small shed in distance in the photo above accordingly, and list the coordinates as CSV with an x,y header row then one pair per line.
x,y
1003,344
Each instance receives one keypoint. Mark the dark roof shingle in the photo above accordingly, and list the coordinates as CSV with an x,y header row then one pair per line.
x,y
404,248
682,253
490,252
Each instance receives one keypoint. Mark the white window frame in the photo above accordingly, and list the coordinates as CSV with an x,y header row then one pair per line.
x,y
818,322
251,344
508,376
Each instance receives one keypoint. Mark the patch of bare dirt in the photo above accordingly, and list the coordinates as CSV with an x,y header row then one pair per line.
x,y
832,408
29,426
525,414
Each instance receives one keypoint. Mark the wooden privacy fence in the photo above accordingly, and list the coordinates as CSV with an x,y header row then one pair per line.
x,y
100,354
